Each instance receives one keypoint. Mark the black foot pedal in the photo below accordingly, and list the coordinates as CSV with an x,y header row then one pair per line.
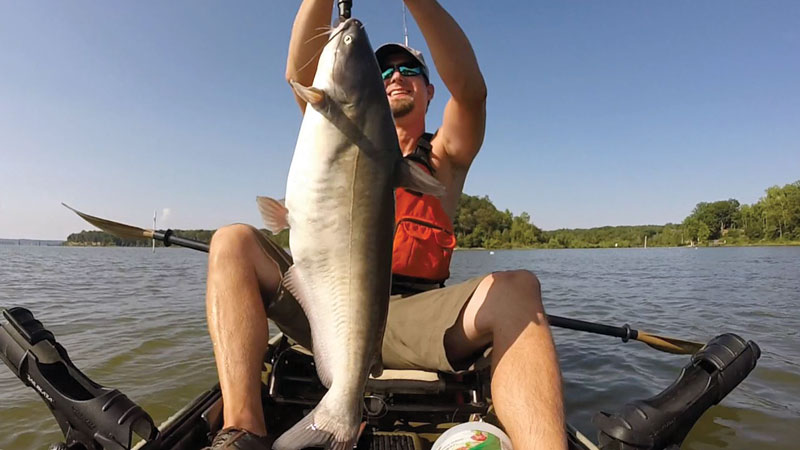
x,y
383,440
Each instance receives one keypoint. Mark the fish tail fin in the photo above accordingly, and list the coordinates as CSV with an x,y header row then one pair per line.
x,y
322,427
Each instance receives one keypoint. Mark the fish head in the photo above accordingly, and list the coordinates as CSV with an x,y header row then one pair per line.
x,y
348,70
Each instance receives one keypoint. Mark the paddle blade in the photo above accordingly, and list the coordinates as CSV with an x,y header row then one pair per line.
x,y
117,229
670,345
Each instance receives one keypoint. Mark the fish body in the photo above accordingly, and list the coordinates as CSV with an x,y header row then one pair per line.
x,y
340,208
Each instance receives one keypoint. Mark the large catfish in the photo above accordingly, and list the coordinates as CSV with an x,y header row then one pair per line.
x,y
340,208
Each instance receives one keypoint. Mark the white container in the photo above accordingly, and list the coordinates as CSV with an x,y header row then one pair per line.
x,y
473,436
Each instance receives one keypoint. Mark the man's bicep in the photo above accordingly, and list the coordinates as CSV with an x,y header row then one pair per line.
x,y
462,131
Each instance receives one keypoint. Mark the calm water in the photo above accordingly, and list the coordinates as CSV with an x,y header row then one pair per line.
x,y
134,320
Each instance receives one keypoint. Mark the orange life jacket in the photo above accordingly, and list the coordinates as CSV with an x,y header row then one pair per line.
x,y
424,239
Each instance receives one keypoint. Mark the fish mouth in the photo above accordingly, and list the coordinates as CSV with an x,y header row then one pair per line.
x,y
346,25
352,21
352,53
347,32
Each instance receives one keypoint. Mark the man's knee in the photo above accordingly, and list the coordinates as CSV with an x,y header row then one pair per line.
x,y
517,283
522,280
505,298
232,242
515,292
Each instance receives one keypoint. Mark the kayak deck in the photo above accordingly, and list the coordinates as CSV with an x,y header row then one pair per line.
x,y
404,409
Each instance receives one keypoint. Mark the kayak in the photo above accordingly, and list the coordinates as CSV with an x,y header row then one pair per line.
x,y
403,409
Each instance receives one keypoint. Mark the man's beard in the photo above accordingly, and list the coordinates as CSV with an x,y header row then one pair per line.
x,y
401,107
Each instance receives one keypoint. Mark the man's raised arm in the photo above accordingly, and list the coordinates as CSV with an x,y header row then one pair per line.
x,y
308,37
464,119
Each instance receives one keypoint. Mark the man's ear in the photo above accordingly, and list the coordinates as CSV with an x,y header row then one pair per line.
x,y
430,90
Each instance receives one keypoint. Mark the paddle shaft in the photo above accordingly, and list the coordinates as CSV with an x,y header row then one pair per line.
x,y
625,332
168,238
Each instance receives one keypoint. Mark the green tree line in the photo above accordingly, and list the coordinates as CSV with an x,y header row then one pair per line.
x,y
773,219
478,223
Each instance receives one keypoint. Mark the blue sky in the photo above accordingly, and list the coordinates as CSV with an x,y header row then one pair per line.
x,y
599,113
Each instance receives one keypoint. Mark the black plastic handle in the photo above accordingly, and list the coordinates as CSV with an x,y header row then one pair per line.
x,y
90,416
663,421
344,9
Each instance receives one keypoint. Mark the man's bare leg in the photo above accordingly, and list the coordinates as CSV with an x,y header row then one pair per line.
x,y
506,311
238,273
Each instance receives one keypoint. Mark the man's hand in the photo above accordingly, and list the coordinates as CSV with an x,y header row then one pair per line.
x,y
308,39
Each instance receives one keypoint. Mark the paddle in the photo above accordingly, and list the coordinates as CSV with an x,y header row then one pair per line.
x,y
662,343
131,232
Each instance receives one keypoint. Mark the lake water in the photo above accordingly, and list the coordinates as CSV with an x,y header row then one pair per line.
x,y
135,321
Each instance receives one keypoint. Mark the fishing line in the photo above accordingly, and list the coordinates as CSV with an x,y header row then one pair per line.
x,y
405,26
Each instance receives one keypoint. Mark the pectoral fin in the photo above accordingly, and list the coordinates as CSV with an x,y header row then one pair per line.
x,y
313,96
273,213
410,176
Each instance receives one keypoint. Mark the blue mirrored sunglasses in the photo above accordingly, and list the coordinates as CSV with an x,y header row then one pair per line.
x,y
404,71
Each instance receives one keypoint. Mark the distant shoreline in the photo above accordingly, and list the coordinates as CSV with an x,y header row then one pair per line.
x,y
29,243
761,244
32,242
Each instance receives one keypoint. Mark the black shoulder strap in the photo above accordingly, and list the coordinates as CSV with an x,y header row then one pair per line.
x,y
422,154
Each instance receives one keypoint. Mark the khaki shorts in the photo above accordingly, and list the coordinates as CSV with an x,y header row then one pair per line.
x,y
415,327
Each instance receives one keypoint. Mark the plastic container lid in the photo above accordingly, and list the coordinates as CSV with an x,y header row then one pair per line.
x,y
473,436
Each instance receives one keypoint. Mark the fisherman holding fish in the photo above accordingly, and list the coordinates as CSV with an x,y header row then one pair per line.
x,y
428,326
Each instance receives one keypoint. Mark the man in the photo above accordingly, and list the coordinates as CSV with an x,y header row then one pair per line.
x,y
439,328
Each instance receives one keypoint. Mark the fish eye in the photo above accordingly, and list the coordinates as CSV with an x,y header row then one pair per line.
x,y
348,39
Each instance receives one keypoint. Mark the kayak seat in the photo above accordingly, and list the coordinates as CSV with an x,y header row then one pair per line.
x,y
290,378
